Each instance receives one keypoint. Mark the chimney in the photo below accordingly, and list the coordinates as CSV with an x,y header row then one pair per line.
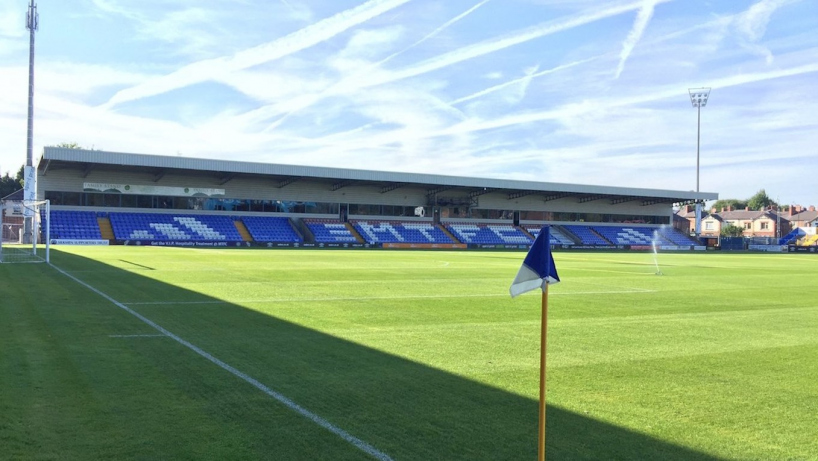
x,y
812,208
688,209
730,208
746,208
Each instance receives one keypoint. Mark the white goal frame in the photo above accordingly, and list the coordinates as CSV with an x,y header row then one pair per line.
x,y
25,231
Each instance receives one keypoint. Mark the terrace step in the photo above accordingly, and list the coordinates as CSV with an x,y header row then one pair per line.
x,y
449,234
525,231
245,234
105,228
354,232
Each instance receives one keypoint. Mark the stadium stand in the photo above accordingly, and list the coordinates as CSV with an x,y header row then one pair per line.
x,y
676,236
557,237
329,231
495,234
150,226
271,229
400,232
586,235
621,235
75,225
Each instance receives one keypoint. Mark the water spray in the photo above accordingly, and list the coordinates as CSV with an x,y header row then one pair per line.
x,y
655,243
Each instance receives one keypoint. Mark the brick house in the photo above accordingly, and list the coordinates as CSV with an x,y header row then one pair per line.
x,y
801,216
764,223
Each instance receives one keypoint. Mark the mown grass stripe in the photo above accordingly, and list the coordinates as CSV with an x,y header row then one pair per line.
x,y
358,443
368,298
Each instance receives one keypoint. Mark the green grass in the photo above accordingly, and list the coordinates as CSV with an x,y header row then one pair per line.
x,y
420,354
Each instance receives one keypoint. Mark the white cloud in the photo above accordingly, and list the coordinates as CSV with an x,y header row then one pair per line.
x,y
752,25
12,19
365,46
298,10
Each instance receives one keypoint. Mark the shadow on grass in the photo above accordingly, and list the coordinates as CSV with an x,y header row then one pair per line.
x,y
403,408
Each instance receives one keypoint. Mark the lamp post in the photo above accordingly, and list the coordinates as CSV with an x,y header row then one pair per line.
x,y
698,97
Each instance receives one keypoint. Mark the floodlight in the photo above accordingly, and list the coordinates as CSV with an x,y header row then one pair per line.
x,y
698,97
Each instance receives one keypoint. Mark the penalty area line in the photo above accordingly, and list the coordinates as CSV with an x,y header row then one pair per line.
x,y
281,398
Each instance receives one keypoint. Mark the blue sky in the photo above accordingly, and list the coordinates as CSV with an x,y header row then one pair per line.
x,y
572,91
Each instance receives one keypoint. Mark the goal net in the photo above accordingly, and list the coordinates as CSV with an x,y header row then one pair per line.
x,y
26,229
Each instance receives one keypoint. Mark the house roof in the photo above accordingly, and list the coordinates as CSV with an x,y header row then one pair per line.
x,y
806,215
744,215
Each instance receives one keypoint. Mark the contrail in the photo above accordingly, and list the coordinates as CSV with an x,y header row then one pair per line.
x,y
521,79
639,26
473,51
309,100
210,69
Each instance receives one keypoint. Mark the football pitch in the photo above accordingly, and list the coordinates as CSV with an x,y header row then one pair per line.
x,y
179,353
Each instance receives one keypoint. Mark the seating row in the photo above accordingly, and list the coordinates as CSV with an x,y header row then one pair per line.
x,y
488,234
145,226
74,225
557,237
271,229
400,232
149,226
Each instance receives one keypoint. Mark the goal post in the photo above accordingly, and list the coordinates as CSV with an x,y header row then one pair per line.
x,y
21,243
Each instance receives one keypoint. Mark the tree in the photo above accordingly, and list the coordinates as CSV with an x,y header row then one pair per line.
x,y
729,202
760,201
731,230
69,145
9,185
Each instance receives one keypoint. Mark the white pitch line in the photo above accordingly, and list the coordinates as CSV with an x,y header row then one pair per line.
x,y
358,443
378,298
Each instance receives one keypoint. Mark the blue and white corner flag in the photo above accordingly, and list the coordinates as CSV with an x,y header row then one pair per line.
x,y
538,269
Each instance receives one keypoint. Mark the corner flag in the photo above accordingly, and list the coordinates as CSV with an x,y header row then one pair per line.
x,y
538,269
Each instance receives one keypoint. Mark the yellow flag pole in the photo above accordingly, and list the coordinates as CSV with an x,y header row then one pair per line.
x,y
543,335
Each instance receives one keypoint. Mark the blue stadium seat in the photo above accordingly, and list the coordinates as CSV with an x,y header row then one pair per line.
x,y
557,237
488,234
676,237
271,229
400,232
173,227
330,231
74,225
626,235
586,235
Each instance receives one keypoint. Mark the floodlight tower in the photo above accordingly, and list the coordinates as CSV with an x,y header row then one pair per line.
x,y
698,97
30,188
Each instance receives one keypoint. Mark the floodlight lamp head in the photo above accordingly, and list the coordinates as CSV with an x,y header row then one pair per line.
x,y
698,96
